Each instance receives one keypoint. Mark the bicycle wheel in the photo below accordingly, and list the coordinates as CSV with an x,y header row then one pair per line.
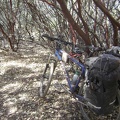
x,y
88,114
82,109
46,79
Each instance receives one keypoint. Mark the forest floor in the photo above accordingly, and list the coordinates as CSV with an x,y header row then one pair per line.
x,y
20,74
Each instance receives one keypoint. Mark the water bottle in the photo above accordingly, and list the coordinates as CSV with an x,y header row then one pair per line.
x,y
75,78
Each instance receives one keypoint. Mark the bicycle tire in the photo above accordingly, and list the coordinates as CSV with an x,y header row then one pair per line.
x,y
45,81
82,107
84,114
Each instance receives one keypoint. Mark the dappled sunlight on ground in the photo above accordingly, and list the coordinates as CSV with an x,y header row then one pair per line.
x,y
18,63
11,106
20,74
11,87
19,85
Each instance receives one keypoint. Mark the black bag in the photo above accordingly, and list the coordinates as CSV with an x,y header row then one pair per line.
x,y
102,85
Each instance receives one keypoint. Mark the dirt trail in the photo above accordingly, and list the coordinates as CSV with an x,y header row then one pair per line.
x,y
19,83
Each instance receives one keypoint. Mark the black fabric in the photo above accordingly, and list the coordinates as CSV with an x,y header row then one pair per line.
x,y
102,83
106,63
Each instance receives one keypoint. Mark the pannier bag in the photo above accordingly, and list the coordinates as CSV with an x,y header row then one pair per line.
x,y
102,83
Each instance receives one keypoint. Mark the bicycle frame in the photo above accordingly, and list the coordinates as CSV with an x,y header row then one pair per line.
x,y
58,53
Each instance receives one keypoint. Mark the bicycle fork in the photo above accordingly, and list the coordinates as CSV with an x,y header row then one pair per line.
x,y
51,60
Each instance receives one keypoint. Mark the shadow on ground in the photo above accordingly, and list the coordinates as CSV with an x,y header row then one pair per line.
x,y
19,96
20,74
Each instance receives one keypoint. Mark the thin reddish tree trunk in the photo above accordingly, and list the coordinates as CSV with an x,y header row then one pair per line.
x,y
73,23
107,33
99,4
7,37
94,41
115,23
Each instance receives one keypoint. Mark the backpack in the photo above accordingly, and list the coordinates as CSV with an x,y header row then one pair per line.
x,y
102,83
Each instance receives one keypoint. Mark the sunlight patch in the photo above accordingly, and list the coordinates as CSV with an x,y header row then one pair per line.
x,y
11,87
10,102
11,106
12,110
6,65
36,84
23,96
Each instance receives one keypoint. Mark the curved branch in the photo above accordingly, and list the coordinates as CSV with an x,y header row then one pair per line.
x,y
73,23
99,4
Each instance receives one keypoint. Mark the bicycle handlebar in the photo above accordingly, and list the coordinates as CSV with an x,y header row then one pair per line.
x,y
91,48
57,39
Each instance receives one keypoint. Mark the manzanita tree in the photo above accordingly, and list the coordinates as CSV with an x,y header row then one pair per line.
x,y
107,19
92,22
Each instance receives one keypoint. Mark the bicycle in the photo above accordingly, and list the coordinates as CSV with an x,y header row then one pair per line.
x,y
52,63
63,58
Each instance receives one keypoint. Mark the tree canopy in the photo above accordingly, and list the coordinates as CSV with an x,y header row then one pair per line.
x,y
91,22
